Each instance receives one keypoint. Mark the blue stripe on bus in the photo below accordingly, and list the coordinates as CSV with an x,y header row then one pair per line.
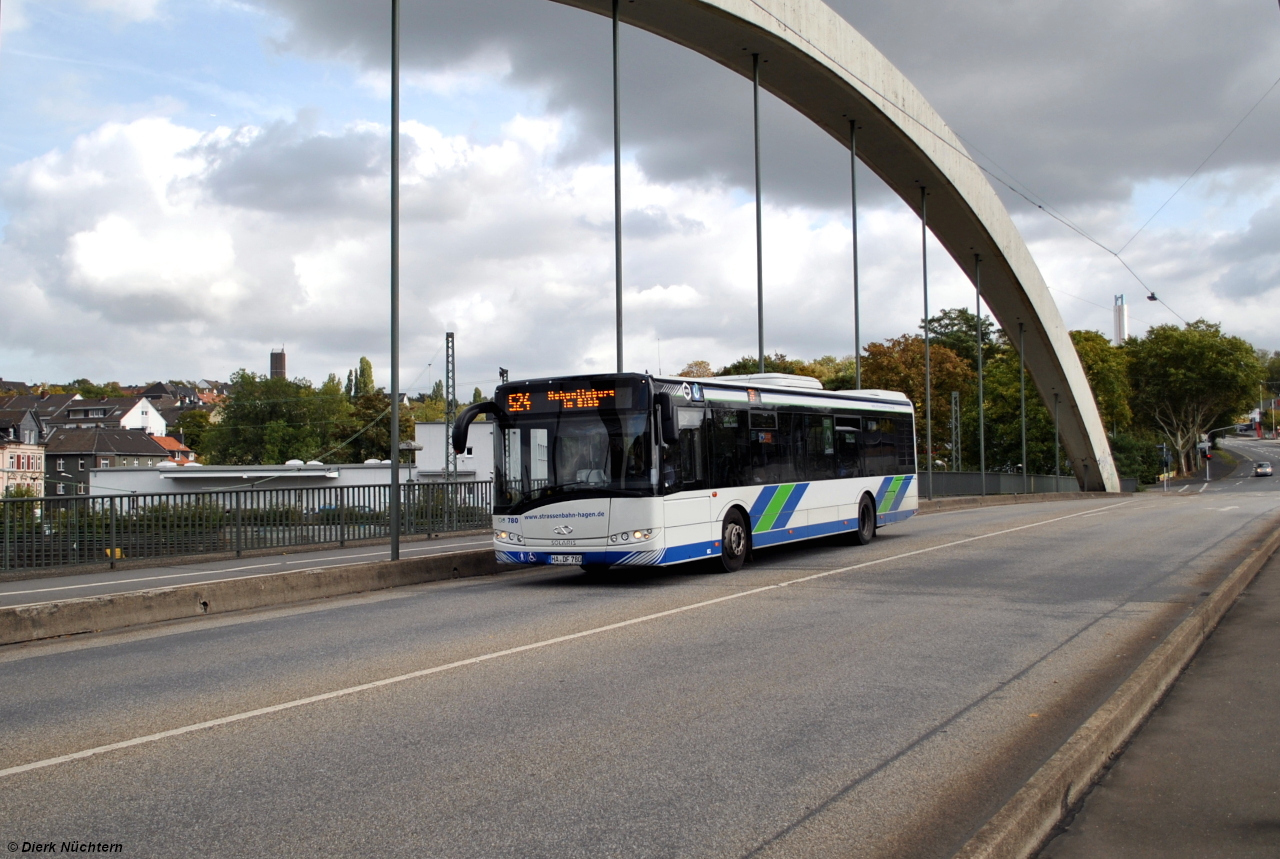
x,y
691,552
902,493
762,502
789,506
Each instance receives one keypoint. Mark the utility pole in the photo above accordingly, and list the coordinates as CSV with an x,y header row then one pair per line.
x,y
755,102
928,376
1022,398
617,188
394,492
857,319
955,430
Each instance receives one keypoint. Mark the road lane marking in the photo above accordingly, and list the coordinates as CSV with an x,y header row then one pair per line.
x,y
1184,488
498,654
1203,487
4,594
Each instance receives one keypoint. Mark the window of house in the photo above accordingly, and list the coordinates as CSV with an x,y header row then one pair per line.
x,y
12,459
150,462
104,463
62,489
135,462
61,466
79,489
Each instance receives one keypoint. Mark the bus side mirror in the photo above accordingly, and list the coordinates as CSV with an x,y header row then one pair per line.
x,y
468,416
667,418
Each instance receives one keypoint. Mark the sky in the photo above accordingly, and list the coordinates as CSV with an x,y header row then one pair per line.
x,y
187,184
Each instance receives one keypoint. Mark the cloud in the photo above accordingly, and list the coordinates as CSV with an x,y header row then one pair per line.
x,y
127,10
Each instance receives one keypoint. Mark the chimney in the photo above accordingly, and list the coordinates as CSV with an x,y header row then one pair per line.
x,y
277,364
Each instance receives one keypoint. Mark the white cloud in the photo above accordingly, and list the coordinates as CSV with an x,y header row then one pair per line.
x,y
127,10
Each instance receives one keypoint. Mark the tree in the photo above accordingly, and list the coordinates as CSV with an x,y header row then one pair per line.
x,y
1107,368
697,370
477,396
193,425
364,378
775,363
957,329
270,421
366,429
1189,380
898,365
90,391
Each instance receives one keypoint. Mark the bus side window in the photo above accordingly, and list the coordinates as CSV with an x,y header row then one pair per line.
x,y
848,447
730,449
772,449
820,444
879,447
683,466
906,448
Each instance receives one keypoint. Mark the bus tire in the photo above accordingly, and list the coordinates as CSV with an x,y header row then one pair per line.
x,y
866,530
735,541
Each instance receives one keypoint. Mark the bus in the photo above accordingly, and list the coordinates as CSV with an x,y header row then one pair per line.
x,y
638,470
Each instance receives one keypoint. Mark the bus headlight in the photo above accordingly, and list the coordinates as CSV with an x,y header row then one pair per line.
x,y
508,537
632,536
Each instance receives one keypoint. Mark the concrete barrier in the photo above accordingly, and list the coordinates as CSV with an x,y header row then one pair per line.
x,y
116,611
1022,826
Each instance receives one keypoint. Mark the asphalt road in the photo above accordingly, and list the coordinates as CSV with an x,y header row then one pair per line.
x,y
827,700
79,584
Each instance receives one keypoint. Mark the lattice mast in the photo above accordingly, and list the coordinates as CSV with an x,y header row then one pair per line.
x,y
450,408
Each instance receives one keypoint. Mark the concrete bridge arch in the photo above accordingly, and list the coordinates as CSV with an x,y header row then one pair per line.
x,y
825,69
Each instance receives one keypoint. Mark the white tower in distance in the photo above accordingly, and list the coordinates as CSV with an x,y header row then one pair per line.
x,y
1122,320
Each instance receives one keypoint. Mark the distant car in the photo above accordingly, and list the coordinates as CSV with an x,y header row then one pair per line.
x,y
1262,469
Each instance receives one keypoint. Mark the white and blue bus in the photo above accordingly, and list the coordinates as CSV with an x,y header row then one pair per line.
x,y
633,469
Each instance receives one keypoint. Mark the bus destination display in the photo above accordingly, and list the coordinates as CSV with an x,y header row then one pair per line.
x,y
579,399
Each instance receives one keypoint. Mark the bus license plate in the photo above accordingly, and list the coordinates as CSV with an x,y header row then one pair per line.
x,y
566,559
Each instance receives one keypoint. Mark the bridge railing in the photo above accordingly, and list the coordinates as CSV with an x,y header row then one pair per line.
x,y
949,483
55,531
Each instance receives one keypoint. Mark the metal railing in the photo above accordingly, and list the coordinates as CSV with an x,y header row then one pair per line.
x,y
949,483
53,532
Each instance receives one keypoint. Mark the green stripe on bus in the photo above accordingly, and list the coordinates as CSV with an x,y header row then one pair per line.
x,y
887,504
770,514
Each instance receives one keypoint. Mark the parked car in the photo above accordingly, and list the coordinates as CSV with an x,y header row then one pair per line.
x,y
1262,469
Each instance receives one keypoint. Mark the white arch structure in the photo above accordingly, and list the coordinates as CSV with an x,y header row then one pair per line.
x,y
824,68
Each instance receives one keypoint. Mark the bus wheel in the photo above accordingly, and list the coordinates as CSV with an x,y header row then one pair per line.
x,y
733,542
866,522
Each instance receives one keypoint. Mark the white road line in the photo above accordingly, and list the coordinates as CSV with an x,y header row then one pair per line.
x,y
1203,487
217,581
1184,488
228,570
498,654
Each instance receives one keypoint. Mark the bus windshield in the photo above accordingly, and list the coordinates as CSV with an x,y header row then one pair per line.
x,y
550,456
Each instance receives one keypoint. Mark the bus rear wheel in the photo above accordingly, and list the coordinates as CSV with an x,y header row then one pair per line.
x,y
866,522
733,542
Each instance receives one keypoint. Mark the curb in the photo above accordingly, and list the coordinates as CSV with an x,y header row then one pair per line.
x,y
117,611
1027,820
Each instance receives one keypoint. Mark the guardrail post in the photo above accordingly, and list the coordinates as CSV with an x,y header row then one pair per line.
x,y
4,560
342,517
112,551
238,529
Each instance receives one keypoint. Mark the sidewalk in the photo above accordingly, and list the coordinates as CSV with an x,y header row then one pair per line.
x,y
1202,777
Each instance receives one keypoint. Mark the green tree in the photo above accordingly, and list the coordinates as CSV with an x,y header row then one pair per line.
x,y
1107,368
364,378
957,329
477,396
90,391
1189,380
366,429
775,363
270,421
193,425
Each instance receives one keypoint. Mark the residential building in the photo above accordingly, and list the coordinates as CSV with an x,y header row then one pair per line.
x,y
72,452
21,455
132,413
7,387
179,453
476,463
47,407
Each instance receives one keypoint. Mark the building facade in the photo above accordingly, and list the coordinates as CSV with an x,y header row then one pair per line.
x,y
476,463
128,413
72,453
21,454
